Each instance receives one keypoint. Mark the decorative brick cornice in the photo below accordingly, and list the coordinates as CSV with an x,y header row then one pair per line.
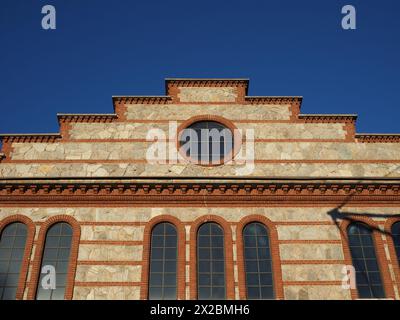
x,y
328,118
273,100
141,99
39,137
179,82
377,138
99,117
228,193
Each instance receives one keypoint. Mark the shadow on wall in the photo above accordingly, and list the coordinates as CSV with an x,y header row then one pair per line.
x,y
337,216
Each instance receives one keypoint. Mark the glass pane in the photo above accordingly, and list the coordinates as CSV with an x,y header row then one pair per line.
x,y
170,279
155,293
156,266
253,293
204,292
267,292
170,266
156,279
170,293
157,241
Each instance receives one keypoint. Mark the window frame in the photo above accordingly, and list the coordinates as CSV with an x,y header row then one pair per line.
x,y
274,251
70,278
229,274
181,258
379,251
257,260
23,274
163,273
210,248
236,136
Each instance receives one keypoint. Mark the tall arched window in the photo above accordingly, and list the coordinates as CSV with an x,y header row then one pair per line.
x,y
163,262
362,249
258,262
57,249
396,238
12,247
210,262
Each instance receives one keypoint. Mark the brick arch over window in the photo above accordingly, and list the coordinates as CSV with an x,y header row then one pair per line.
x,y
379,249
30,226
76,234
181,278
392,251
229,278
274,247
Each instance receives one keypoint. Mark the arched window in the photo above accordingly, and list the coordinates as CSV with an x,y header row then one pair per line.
x,y
258,262
57,249
163,262
12,247
210,262
362,249
396,238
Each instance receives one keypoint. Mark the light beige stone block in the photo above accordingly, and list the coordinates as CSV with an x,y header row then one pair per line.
x,y
99,169
311,252
185,111
106,293
316,232
105,273
109,252
207,94
143,214
263,151
138,130
114,233
320,292
312,272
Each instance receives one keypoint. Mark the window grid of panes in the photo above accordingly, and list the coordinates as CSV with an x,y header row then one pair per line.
x,y
396,238
12,247
258,262
362,248
208,141
210,262
163,262
56,253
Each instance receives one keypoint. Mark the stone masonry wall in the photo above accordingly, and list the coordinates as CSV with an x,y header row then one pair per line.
x,y
306,269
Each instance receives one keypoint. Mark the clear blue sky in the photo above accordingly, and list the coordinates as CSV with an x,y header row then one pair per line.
x,y
104,48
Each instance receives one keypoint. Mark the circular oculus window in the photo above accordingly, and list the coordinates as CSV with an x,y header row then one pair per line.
x,y
206,142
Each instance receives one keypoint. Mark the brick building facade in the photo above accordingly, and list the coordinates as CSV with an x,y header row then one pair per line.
x,y
321,195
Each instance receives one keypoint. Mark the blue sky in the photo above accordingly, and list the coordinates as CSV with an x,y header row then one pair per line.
x,y
104,48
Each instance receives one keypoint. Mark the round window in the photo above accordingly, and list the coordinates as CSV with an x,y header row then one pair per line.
x,y
206,142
